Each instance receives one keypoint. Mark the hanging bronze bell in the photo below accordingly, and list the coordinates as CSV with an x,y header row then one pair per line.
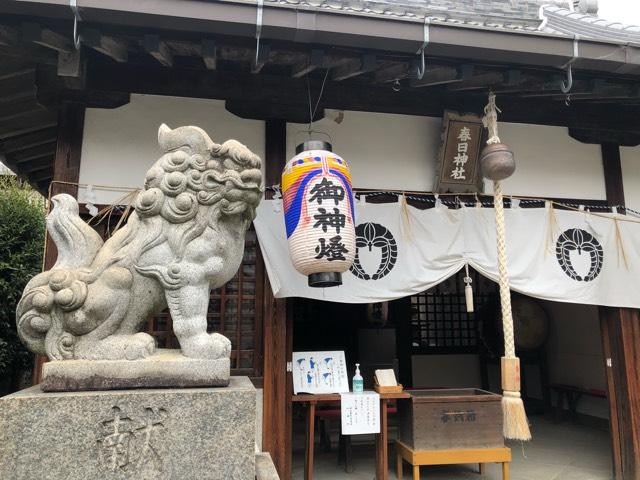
x,y
497,161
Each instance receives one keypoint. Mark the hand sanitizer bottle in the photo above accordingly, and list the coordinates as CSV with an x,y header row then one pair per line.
x,y
358,382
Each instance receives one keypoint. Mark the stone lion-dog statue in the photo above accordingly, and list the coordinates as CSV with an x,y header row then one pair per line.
x,y
185,237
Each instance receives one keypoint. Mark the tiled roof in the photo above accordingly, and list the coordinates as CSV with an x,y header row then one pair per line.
x,y
500,14
565,22
549,16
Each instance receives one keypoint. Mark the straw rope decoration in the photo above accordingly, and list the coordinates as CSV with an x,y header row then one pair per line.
x,y
515,424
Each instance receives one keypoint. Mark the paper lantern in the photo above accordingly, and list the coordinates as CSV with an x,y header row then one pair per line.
x,y
319,213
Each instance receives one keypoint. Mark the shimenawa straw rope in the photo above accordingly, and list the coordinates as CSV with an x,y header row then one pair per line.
x,y
515,423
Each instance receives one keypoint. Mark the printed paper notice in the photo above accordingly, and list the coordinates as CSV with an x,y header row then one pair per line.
x,y
319,372
360,413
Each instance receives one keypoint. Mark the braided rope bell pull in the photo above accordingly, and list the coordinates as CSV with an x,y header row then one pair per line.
x,y
497,163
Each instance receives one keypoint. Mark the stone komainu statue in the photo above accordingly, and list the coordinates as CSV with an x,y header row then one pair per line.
x,y
185,237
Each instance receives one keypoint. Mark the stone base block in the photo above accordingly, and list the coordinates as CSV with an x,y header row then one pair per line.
x,y
163,434
165,369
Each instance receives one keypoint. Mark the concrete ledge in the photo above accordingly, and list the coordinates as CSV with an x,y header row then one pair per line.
x,y
165,369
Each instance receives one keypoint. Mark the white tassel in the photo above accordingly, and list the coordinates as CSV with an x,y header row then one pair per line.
x,y
468,290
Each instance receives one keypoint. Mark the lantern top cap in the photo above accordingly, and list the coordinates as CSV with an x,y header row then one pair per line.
x,y
313,145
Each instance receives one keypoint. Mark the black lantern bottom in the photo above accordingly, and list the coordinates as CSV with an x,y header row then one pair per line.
x,y
325,279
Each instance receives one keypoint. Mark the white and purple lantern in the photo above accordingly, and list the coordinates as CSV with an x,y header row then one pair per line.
x,y
319,213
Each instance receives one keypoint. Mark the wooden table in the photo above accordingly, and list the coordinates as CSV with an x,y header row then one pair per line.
x,y
447,457
382,463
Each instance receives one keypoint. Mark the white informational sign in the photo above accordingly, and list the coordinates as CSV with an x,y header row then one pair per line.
x,y
360,413
319,372
557,255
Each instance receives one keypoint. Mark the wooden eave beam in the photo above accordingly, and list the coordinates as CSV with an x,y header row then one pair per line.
x,y
601,135
584,89
209,53
110,46
226,85
368,63
479,80
443,74
315,61
158,50
33,32
298,113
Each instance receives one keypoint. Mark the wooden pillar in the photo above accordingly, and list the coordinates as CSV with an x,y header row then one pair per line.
x,y
612,173
620,329
276,427
66,168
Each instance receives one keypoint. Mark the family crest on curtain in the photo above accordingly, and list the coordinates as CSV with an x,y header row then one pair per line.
x,y
558,255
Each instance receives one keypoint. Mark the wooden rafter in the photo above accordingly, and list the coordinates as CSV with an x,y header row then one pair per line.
x,y
264,52
107,45
34,32
158,49
28,140
210,53
43,162
8,35
391,72
316,60
25,156
353,68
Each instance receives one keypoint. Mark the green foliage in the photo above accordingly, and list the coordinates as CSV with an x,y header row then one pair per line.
x,y
22,225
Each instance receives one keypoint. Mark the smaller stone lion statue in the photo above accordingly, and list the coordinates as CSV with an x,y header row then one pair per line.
x,y
185,237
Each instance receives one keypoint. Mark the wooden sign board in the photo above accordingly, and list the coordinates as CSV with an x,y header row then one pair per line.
x,y
458,167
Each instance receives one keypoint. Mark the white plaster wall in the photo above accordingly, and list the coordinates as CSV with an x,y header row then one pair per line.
x,y
549,163
575,352
399,152
384,151
630,162
119,145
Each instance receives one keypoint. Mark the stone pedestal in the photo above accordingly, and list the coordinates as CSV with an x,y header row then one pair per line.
x,y
164,369
196,433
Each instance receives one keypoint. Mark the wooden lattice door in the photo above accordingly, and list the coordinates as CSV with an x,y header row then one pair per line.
x,y
235,310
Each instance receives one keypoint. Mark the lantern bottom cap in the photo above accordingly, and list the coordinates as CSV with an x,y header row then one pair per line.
x,y
325,279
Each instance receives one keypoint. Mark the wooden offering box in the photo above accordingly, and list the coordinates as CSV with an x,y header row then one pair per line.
x,y
450,419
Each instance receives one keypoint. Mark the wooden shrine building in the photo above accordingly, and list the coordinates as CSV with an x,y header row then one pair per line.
x,y
84,85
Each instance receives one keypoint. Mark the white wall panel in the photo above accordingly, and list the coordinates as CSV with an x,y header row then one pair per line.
x,y
386,151
549,163
395,152
630,162
119,145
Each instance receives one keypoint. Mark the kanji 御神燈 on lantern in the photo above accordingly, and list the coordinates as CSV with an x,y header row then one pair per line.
x,y
319,213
